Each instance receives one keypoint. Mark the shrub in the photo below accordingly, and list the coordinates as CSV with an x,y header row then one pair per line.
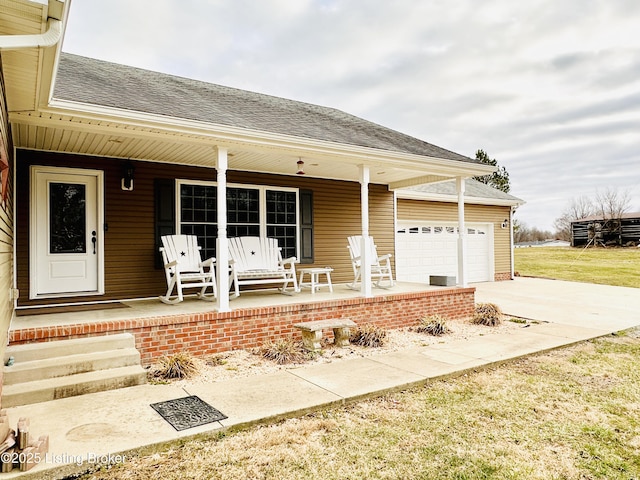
x,y
283,350
179,365
487,314
433,325
368,335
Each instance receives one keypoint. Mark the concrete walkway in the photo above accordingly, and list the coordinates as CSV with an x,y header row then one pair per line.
x,y
107,425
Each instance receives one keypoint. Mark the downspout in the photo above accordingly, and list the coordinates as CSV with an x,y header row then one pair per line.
x,y
512,210
48,39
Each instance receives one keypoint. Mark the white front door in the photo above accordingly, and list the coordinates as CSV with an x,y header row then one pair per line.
x,y
66,256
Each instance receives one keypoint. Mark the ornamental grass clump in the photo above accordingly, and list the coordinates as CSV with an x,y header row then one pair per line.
x,y
433,325
368,335
283,351
487,314
176,366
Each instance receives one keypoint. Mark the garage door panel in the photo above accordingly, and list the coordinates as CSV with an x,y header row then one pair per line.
x,y
428,248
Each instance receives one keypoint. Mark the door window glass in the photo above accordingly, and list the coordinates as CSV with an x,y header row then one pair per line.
x,y
67,218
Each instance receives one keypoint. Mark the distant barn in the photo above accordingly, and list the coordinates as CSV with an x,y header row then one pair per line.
x,y
596,230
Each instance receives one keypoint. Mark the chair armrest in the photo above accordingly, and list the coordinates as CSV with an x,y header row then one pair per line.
x,y
290,260
385,257
208,262
171,264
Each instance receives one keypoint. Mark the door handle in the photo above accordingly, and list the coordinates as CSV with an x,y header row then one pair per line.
x,y
94,240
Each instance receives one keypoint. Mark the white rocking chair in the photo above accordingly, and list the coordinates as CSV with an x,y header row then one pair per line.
x,y
184,268
258,261
381,273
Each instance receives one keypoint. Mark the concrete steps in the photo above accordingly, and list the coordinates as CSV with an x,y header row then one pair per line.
x,y
66,368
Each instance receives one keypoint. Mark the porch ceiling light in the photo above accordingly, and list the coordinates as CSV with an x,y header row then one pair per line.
x,y
127,176
300,164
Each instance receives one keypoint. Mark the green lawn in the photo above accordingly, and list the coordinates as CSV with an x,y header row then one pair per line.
x,y
608,266
573,413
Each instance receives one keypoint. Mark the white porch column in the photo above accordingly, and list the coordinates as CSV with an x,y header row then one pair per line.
x,y
365,261
222,248
462,235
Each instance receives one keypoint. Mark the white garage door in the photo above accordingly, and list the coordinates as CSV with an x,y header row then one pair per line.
x,y
424,249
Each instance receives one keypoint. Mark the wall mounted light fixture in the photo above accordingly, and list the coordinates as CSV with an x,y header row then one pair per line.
x,y
127,176
505,224
300,164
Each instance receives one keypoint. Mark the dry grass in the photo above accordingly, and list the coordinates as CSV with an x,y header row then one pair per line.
x,y
434,325
368,335
177,366
488,314
283,351
569,414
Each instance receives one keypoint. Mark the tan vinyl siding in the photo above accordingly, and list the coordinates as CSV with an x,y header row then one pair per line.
x,y
6,267
448,212
129,240
6,234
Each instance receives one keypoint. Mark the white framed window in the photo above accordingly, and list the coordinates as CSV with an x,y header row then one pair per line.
x,y
252,210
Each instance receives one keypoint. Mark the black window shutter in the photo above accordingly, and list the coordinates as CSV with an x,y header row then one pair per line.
x,y
165,213
306,226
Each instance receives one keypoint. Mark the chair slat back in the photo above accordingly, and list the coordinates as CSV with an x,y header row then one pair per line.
x,y
184,250
355,243
255,253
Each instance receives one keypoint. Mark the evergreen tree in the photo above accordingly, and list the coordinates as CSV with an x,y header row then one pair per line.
x,y
498,179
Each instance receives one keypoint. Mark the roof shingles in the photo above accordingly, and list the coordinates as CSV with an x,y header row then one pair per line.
x,y
96,82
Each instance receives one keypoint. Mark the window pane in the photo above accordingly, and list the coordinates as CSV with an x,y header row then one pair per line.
x,y
282,220
286,239
281,207
198,216
67,224
243,205
198,203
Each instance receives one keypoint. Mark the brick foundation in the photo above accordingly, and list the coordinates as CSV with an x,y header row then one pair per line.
x,y
213,332
500,277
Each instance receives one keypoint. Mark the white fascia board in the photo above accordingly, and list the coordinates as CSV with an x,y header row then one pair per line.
x,y
439,197
233,135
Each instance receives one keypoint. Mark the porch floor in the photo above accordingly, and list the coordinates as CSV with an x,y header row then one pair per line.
x,y
147,308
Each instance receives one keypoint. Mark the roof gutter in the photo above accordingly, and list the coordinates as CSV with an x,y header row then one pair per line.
x,y
226,133
48,39
443,197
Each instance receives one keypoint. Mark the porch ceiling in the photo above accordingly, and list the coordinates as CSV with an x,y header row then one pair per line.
x,y
157,140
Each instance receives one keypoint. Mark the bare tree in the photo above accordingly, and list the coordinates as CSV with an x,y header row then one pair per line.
x,y
577,208
608,206
612,203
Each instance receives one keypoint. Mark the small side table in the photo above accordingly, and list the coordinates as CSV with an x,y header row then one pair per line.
x,y
314,274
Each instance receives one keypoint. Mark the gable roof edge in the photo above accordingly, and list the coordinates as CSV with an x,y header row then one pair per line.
x,y
220,134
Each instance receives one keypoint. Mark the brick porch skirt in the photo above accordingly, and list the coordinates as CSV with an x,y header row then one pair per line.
x,y
213,332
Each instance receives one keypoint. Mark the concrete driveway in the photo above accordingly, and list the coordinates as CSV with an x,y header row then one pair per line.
x,y
601,307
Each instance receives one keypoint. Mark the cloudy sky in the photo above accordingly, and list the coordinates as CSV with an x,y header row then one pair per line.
x,y
550,89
